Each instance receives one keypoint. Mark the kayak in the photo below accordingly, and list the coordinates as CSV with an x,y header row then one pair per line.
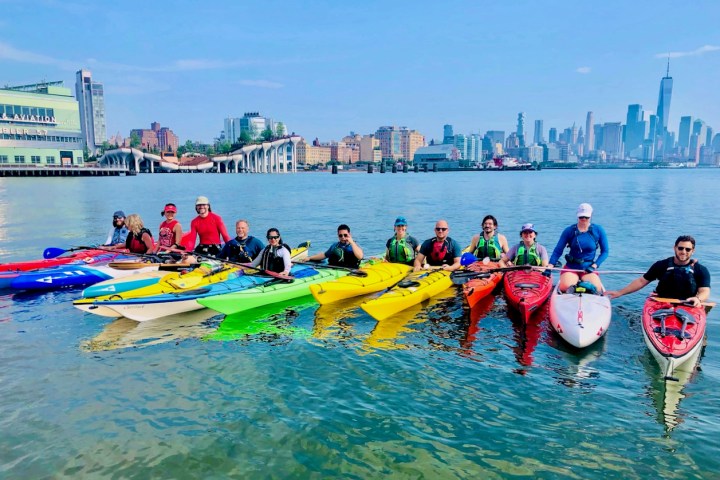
x,y
272,293
124,284
526,291
415,288
479,288
84,255
579,318
150,307
378,276
673,332
68,276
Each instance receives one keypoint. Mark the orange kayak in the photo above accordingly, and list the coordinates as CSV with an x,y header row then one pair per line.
x,y
478,288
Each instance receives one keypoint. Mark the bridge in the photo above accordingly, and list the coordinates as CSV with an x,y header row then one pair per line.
x,y
278,156
135,160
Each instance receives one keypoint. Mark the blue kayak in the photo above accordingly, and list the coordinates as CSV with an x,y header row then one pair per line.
x,y
67,276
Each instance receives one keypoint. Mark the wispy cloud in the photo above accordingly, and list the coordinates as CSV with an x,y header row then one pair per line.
x,y
692,53
135,85
8,52
583,70
261,83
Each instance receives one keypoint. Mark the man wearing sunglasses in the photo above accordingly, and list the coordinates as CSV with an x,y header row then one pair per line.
x,y
343,253
119,231
678,277
440,251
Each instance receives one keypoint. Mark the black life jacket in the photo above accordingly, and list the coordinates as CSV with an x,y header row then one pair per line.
x,y
270,260
678,281
237,252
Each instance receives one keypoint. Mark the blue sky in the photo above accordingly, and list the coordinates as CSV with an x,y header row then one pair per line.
x,y
326,67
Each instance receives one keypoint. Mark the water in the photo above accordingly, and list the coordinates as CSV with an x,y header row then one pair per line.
x,y
300,391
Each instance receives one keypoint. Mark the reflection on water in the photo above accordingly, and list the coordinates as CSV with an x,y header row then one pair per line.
x,y
527,335
125,333
574,367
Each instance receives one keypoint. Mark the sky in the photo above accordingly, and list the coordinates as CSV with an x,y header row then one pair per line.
x,y
326,68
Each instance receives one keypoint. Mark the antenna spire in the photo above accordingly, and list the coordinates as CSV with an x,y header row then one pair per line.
x,y
668,67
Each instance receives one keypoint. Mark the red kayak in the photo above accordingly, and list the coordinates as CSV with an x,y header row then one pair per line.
x,y
85,255
673,332
479,288
526,291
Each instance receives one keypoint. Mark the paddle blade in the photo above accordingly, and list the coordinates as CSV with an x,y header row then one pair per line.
x,y
304,245
53,252
461,278
467,259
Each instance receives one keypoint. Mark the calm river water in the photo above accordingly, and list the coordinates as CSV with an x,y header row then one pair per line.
x,y
435,392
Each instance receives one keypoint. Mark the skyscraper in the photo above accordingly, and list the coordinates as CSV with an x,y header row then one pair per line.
x,y
91,101
589,134
552,135
448,136
634,129
521,129
538,137
699,129
663,110
684,134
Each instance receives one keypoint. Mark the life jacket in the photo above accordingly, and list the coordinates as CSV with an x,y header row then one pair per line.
x,y
134,241
237,252
119,235
491,248
527,256
440,253
400,252
166,235
343,256
271,261
678,281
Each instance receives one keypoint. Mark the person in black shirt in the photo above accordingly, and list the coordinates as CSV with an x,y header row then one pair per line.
x,y
678,277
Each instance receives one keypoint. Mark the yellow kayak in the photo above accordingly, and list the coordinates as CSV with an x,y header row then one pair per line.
x,y
417,287
378,276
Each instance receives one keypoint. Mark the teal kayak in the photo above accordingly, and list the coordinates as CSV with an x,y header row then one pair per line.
x,y
262,295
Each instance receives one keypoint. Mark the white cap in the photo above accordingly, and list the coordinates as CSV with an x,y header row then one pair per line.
x,y
202,201
584,210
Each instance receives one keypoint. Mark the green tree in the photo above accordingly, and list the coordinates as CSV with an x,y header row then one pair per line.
x,y
267,134
134,140
280,129
224,147
210,150
105,146
245,137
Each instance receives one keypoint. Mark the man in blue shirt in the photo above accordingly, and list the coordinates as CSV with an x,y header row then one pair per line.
x,y
343,253
119,232
243,248
440,251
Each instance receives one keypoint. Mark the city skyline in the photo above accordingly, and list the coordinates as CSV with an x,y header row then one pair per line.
x,y
321,71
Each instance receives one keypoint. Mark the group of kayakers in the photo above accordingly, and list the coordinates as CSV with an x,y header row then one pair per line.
x,y
587,243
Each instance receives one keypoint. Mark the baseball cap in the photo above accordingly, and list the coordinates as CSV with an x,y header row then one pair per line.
x,y
584,210
400,221
169,208
119,214
528,227
202,201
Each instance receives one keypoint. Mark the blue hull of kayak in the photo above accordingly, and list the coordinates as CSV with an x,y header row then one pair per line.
x,y
65,276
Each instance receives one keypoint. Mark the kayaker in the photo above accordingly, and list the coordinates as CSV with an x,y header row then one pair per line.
x,y
119,231
170,231
139,239
276,256
679,276
489,243
343,253
402,247
440,251
243,248
209,228
528,251
584,239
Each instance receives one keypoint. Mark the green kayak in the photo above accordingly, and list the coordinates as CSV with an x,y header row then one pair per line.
x,y
270,293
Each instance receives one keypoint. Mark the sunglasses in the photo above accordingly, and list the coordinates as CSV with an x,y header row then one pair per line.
x,y
440,229
273,237
343,235
583,218
684,249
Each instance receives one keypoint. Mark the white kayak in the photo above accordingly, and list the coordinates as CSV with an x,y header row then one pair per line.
x,y
579,318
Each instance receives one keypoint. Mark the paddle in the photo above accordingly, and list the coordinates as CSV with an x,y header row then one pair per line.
x,y
353,271
269,273
54,252
464,276
708,305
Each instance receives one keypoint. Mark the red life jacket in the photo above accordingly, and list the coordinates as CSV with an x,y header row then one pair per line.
x,y
438,253
166,235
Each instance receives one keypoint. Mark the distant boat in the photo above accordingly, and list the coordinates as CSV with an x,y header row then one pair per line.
x,y
506,162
